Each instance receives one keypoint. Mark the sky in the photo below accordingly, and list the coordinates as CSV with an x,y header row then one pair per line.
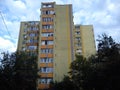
x,y
104,15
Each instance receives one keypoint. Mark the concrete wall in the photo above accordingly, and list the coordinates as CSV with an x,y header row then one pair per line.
x,y
88,42
21,32
62,42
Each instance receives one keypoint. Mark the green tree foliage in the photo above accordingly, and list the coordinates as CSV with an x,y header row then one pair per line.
x,y
81,71
26,71
18,71
108,49
99,72
7,72
107,64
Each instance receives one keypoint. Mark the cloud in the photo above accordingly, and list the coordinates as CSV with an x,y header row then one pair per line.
x,y
7,45
105,17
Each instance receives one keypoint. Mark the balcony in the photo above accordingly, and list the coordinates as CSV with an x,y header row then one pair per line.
x,y
46,64
33,44
49,55
32,31
47,8
46,46
47,38
47,31
44,23
47,75
48,15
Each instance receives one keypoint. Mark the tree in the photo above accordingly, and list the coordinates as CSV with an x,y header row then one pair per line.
x,y
81,70
7,71
107,48
18,71
109,63
26,71
101,71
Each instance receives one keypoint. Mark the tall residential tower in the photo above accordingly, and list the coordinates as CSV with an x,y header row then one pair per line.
x,y
55,40
55,43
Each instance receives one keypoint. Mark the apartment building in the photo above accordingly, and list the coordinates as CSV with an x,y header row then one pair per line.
x,y
56,40
84,43
55,47
28,37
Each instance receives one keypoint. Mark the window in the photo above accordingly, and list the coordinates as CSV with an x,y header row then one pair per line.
x,y
32,23
24,36
35,41
47,5
50,42
36,23
48,12
77,38
77,32
43,43
47,50
45,80
31,41
47,34
47,27
47,19
49,80
50,50
42,81
32,34
46,60
78,51
25,29
32,47
43,60
78,44
46,70
33,28
77,27
52,12
24,42
47,42
23,48
50,60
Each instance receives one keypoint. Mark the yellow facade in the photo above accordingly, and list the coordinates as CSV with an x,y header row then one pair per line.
x,y
84,42
56,20
56,40
62,42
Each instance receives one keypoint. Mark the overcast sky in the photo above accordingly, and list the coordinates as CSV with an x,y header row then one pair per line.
x,y
104,15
